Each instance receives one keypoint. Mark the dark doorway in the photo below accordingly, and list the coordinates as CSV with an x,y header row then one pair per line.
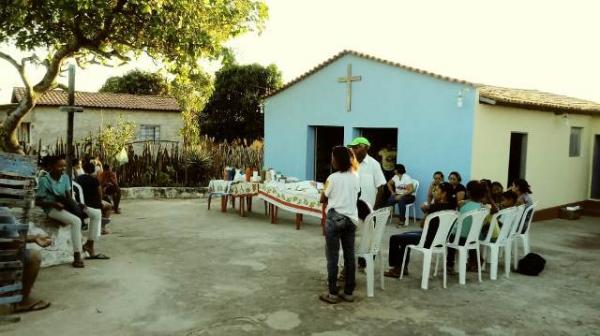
x,y
518,157
596,169
326,137
379,139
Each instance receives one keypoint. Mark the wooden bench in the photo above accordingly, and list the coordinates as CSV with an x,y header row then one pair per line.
x,y
17,185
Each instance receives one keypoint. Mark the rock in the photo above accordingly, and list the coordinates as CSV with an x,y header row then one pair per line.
x,y
61,250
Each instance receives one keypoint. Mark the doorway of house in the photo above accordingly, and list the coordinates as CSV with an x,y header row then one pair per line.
x,y
596,169
379,139
326,137
518,157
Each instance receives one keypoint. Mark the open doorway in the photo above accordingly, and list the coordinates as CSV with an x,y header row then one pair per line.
x,y
326,137
518,157
381,138
596,169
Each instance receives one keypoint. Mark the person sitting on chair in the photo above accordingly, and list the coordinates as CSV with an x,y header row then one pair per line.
x,y
438,177
399,242
402,189
92,193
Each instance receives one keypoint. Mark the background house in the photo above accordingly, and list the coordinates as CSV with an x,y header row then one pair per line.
x,y
436,123
157,118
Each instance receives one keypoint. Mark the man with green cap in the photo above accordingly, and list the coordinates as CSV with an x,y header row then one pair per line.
x,y
372,180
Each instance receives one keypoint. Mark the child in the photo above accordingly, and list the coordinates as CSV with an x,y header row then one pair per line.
x,y
340,195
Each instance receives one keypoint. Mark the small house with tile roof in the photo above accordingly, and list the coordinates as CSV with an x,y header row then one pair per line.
x,y
157,118
436,123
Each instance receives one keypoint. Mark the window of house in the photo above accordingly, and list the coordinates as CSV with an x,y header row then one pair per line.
x,y
24,133
575,142
149,132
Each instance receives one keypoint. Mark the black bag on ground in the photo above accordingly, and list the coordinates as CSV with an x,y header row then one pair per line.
x,y
531,264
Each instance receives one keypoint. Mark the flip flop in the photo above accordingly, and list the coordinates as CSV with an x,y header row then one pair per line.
x,y
78,264
98,256
37,305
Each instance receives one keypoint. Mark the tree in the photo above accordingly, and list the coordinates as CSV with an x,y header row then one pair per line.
x,y
234,110
190,87
175,32
137,82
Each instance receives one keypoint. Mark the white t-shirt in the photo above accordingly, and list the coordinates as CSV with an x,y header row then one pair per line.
x,y
401,184
341,190
371,178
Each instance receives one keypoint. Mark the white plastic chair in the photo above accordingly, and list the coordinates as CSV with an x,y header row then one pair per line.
x,y
79,198
370,245
438,245
412,205
522,233
502,241
471,243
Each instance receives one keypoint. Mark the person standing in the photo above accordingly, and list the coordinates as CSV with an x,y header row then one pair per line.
x,y
372,180
340,195
388,161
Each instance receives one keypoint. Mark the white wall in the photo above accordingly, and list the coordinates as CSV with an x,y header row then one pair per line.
x,y
556,178
49,124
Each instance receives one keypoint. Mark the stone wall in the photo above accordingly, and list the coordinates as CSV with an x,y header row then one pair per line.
x,y
163,192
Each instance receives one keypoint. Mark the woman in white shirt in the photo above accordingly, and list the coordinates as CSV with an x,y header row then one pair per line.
x,y
402,190
340,195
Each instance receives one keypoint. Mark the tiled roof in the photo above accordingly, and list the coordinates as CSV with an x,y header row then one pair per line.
x,y
104,100
537,100
528,99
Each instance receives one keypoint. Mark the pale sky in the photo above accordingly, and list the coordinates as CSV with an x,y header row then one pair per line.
x,y
547,45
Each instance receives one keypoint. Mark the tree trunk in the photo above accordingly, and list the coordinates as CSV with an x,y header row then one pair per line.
x,y
8,138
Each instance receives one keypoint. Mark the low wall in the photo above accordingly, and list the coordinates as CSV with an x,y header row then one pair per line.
x,y
163,192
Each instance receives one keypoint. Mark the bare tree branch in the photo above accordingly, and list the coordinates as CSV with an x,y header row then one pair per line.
x,y
20,69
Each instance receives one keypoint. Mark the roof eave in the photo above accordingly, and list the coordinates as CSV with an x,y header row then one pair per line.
x,y
536,107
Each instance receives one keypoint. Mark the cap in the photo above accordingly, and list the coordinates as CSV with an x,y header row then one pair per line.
x,y
359,141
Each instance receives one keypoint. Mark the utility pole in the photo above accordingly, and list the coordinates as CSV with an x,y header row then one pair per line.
x,y
70,109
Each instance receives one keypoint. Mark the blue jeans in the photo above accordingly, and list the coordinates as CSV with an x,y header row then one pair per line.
x,y
404,200
340,228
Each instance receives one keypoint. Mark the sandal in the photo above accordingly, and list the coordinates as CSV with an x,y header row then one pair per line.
x,y
329,298
392,274
36,305
78,264
98,256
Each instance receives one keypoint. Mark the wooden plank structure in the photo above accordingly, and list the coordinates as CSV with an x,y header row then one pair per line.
x,y
17,190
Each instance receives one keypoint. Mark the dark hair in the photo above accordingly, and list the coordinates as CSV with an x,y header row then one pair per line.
x,y
105,166
476,190
438,173
50,160
523,186
343,158
75,161
497,184
487,183
446,188
457,176
510,195
89,167
400,168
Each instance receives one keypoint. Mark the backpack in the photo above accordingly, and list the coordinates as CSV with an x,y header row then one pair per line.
x,y
531,264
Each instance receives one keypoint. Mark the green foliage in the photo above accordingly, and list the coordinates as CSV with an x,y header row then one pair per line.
x,y
173,31
112,139
234,110
137,82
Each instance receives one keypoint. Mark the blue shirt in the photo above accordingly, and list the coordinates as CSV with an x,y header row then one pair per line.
x,y
466,225
49,189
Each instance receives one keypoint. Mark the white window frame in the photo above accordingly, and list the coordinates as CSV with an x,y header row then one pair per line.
x,y
144,128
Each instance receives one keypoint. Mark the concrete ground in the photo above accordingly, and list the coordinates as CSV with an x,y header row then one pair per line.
x,y
178,269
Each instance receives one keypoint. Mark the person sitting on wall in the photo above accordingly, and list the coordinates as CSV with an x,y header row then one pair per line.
x,y
402,190
438,177
54,196
110,187
398,243
458,190
92,193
